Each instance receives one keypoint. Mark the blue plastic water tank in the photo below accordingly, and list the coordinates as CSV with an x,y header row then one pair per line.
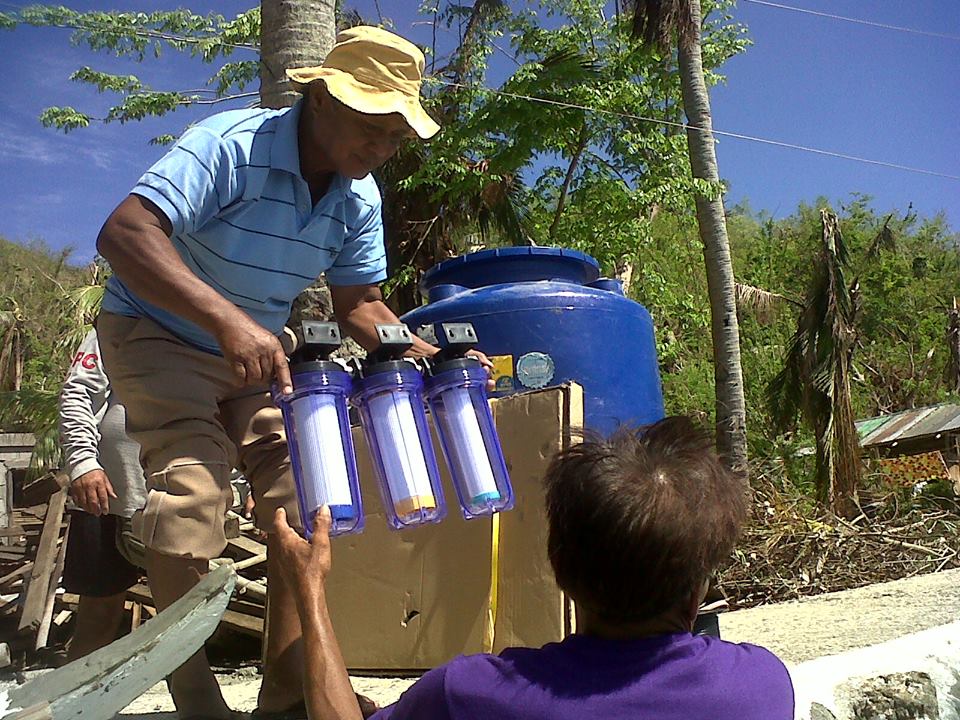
x,y
548,318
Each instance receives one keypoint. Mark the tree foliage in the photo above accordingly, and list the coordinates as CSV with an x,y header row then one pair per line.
x,y
137,35
609,176
46,307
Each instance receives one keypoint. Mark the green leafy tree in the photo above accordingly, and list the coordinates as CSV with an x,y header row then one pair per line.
x,y
45,312
136,35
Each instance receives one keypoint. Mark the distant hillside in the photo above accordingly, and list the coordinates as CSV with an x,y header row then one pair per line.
x,y
37,316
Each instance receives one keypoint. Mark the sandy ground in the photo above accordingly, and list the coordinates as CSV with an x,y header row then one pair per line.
x,y
835,622
796,631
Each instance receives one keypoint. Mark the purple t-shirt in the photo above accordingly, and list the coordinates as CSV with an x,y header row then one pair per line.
x,y
663,677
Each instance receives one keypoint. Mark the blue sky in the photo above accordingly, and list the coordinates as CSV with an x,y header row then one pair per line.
x,y
854,89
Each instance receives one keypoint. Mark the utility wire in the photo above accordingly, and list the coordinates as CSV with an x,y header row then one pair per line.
x,y
858,21
687,126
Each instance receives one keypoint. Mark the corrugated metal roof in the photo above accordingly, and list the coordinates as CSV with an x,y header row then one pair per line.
x,y
944,418
909,424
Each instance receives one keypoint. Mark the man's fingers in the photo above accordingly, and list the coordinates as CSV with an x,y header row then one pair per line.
x,y
280,523
240,372
321,526
254,372
281,370
91,504
103,502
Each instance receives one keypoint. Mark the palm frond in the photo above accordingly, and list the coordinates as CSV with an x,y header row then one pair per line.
x,y
34,410
815,379
657,21
760,302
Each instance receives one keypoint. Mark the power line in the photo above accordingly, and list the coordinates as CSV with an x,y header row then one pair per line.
x,y
686,126
858,21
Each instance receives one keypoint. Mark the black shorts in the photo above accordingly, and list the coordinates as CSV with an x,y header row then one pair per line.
x,y
94,566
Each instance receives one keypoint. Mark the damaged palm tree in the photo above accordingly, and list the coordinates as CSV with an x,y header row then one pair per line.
x,y
953,348
815,380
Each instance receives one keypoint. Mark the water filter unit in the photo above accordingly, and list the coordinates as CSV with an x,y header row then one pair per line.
x,y
318,432
389,394
456,393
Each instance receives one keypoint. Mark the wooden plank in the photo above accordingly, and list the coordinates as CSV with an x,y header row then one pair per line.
x,y
36,597
109,679
249,562
243,623
140,593
15,531
40,711
247,546
43,632
6,500
135,616
248,608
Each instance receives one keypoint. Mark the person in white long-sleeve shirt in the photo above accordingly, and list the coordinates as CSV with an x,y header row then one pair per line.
x,y
106,485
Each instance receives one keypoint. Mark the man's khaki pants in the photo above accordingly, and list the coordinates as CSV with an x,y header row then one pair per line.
x,y
193,425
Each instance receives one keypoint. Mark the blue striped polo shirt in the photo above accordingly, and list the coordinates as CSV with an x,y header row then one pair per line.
x,y
244,223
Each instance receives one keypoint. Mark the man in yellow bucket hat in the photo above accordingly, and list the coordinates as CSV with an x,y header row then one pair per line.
x,y
209,250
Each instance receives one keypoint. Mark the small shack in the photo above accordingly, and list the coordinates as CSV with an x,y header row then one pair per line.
x,y
915,445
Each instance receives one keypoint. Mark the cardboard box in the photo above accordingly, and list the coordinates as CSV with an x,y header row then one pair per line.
x,y
413,599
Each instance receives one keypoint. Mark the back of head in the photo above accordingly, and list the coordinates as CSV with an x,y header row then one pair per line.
x,y
638,522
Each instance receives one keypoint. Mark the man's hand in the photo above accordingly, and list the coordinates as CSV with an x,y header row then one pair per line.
x,y
304,565
253,352
92,492
487,365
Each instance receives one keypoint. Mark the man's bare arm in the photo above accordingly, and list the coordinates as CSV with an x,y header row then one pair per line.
x,y
305,566
359,308
135,240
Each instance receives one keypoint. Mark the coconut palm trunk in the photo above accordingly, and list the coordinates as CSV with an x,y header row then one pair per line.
x,y
294,33
658,21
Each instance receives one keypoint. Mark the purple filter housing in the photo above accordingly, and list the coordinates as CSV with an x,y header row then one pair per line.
x,y
318,434
389,395
457,396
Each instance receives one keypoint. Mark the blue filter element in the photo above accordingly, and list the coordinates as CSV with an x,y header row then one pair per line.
x,y
321,447
456,393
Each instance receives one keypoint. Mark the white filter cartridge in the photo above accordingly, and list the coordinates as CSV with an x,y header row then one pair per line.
x,y
320,446
469,448
401,451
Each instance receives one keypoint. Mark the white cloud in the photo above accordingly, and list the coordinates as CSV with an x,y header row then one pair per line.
x,y
47,147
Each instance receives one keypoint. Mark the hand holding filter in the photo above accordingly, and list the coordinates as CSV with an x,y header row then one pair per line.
x,y
456,393
390,398
318,432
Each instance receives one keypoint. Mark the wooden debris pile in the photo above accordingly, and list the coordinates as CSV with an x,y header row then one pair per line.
x,y
791,548
36,614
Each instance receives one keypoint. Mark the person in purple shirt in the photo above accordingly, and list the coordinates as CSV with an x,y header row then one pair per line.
x,y
638,523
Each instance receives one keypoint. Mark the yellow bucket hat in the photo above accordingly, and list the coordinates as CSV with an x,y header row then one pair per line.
x,y
374,72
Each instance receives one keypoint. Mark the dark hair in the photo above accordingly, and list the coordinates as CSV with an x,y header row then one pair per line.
x,y
639,521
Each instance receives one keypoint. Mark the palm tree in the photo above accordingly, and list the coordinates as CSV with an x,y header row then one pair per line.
x,y
953,348
815,380
658,22
293,33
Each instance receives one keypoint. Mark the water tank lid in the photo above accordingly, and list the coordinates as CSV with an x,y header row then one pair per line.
x,y
471,270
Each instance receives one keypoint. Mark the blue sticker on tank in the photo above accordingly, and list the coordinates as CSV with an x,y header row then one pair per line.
x,y
535,369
